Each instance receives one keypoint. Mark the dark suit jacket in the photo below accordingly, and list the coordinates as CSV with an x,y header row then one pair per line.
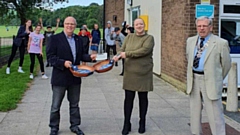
x,y
58,51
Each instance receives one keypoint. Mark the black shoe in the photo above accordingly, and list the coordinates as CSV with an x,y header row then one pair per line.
x,y
54,132
116,64
78,131
126,129
142,129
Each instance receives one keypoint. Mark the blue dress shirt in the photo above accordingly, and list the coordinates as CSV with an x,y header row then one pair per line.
x,y
71,42
200,68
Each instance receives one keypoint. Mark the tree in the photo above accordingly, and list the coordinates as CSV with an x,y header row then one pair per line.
x,y
91,22
84,14
23,8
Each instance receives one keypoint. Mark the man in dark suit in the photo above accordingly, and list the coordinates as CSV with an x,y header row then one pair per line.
x,y
65,49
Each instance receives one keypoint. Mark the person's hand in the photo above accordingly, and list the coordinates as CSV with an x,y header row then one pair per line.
x,y
115,58
112,32
127,25
58,20
41,54
123,55
27,31
40,20
67,64
28,49
93,56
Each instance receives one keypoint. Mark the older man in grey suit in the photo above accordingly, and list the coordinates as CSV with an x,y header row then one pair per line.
x,y
208,64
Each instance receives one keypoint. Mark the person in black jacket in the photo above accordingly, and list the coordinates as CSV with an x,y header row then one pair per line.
x,y
22,34
85,40
64,50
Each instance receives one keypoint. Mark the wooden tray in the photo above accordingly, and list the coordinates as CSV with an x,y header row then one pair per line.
x,y
103,66
84,70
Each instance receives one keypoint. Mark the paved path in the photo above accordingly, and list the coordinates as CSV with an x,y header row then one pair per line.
x,y
101,109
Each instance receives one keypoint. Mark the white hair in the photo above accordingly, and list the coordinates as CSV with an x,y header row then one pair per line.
x,y
210,21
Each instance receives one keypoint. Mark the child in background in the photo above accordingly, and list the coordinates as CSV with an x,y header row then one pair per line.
x,y
35,49
48,33
85,40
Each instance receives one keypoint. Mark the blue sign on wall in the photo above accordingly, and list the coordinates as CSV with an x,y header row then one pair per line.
x,y
204,10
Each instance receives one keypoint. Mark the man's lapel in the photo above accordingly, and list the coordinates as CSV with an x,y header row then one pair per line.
x,y
193,44
76,43
210,45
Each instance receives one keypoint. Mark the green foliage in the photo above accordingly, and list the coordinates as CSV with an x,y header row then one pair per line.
x,y
83,14
25,9
91,22
14,85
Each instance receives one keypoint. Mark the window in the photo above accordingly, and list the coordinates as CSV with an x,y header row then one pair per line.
x,y
235,9
230,30
133,14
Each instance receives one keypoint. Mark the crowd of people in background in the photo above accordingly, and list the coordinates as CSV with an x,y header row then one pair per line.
x,y
136,52
31,40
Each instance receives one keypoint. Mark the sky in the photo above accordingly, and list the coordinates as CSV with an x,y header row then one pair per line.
x,y
77,2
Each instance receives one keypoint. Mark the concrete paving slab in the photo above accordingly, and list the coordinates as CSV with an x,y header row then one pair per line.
x,y
2,116
101,108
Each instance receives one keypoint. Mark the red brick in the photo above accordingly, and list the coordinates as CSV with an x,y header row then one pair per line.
x,y
114,7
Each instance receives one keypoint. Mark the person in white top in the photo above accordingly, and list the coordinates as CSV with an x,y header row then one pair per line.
x,y
35,49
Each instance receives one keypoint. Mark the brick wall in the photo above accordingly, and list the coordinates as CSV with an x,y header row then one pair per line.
x,y
114,7
178,23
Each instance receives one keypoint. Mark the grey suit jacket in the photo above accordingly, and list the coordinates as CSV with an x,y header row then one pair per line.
x,y
217,63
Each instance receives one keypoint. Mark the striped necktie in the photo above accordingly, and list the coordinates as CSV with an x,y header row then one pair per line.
x,y
197,59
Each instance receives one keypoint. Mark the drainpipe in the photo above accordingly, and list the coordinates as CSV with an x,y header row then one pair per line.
x,y
104,22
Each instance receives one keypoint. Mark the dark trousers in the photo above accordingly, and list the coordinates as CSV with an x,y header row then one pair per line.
x,y
113,47
73,96
128,105
40,59
13,53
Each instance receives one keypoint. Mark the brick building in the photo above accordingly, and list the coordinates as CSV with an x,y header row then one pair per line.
x,y
171,22
178,23
114,11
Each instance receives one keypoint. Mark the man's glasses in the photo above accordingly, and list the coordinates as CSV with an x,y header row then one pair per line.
x,y
69,24
202,26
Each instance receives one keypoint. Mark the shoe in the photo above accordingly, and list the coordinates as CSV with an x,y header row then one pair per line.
x,y
142,129
78,131
20,71
116,64
44,77
126,129
31,76
8,70
53,132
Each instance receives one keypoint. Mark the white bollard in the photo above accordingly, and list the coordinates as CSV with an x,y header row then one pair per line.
x,y
232,91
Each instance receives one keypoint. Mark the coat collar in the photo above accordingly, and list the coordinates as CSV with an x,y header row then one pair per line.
x,y
210,45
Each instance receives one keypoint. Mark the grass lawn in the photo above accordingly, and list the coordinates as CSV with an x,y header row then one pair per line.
x,y
5,51
12,30
14,85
